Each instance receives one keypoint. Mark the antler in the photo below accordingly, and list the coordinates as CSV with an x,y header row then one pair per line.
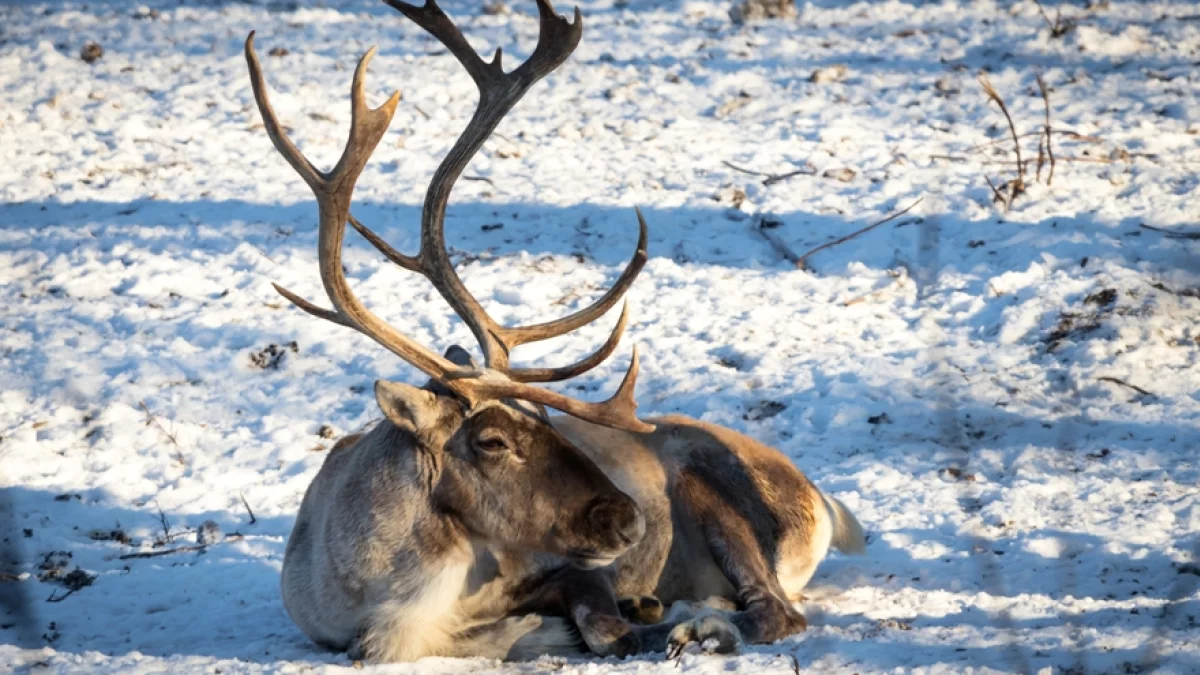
x,y
498,93
334,189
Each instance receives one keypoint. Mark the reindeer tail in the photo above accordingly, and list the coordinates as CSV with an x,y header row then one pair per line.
x,y
847,532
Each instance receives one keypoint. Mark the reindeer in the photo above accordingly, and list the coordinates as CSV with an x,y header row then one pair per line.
x,y
469,522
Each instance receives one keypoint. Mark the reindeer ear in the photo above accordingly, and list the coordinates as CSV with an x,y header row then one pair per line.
x,y
408,407
459,357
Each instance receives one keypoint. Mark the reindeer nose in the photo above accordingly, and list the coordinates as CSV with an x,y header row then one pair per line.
x,y
619,515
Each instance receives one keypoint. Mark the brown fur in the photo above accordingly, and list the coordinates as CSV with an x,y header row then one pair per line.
x,y
420,538
435,531
344,442
413,541
726,517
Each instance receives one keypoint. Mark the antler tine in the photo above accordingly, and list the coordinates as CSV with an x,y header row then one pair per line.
x,y
435,22
319,312
619,411
307,171
557,38
519,335
311,175
579,367
512,336
333,191
408,262
498,93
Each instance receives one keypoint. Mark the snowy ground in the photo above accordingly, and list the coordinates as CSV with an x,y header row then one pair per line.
x,y
944,374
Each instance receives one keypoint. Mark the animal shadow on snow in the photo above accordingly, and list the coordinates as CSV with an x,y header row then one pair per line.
x,y
1065,567
223,602
1010,567
267,235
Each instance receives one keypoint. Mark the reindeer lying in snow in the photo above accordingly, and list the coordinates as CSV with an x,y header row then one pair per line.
x,y
470,523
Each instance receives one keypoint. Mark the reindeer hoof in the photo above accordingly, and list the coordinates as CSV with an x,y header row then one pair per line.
x,y
608,635
778,622
712,631
644,609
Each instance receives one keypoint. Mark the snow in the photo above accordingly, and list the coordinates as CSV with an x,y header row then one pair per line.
x,y
943,375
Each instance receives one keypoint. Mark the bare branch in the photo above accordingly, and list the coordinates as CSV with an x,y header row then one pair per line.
x,y
997,196
236,536
766,228
1009,162
1049,149
55,597
1041,159
166,524
245,503
995,96
898,279
151,419
1069,133
800,262
1058,27
772,178
1171,234
1123,383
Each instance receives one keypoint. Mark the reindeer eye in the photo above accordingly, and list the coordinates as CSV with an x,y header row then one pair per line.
x,y
492,444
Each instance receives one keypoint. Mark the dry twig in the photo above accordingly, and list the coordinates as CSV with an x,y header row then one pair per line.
x,y
1069,133
236,536
1123,383
800,260
1009,162
151,419
772,178
1049,150
766,228
897,279
55,597
997,196
1041,158
245,503
1058,27
1171,234
1015,186
1012,127
166,525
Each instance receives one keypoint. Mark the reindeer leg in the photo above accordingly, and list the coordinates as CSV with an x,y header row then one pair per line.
x,y
587,597
642,609
591,603
598,617
689,623
519,638
742,535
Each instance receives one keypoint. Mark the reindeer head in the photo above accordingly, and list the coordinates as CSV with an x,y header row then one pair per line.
x,y
501,469
507,476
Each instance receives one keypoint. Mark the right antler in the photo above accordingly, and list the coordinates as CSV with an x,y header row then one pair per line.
x,y
498,93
